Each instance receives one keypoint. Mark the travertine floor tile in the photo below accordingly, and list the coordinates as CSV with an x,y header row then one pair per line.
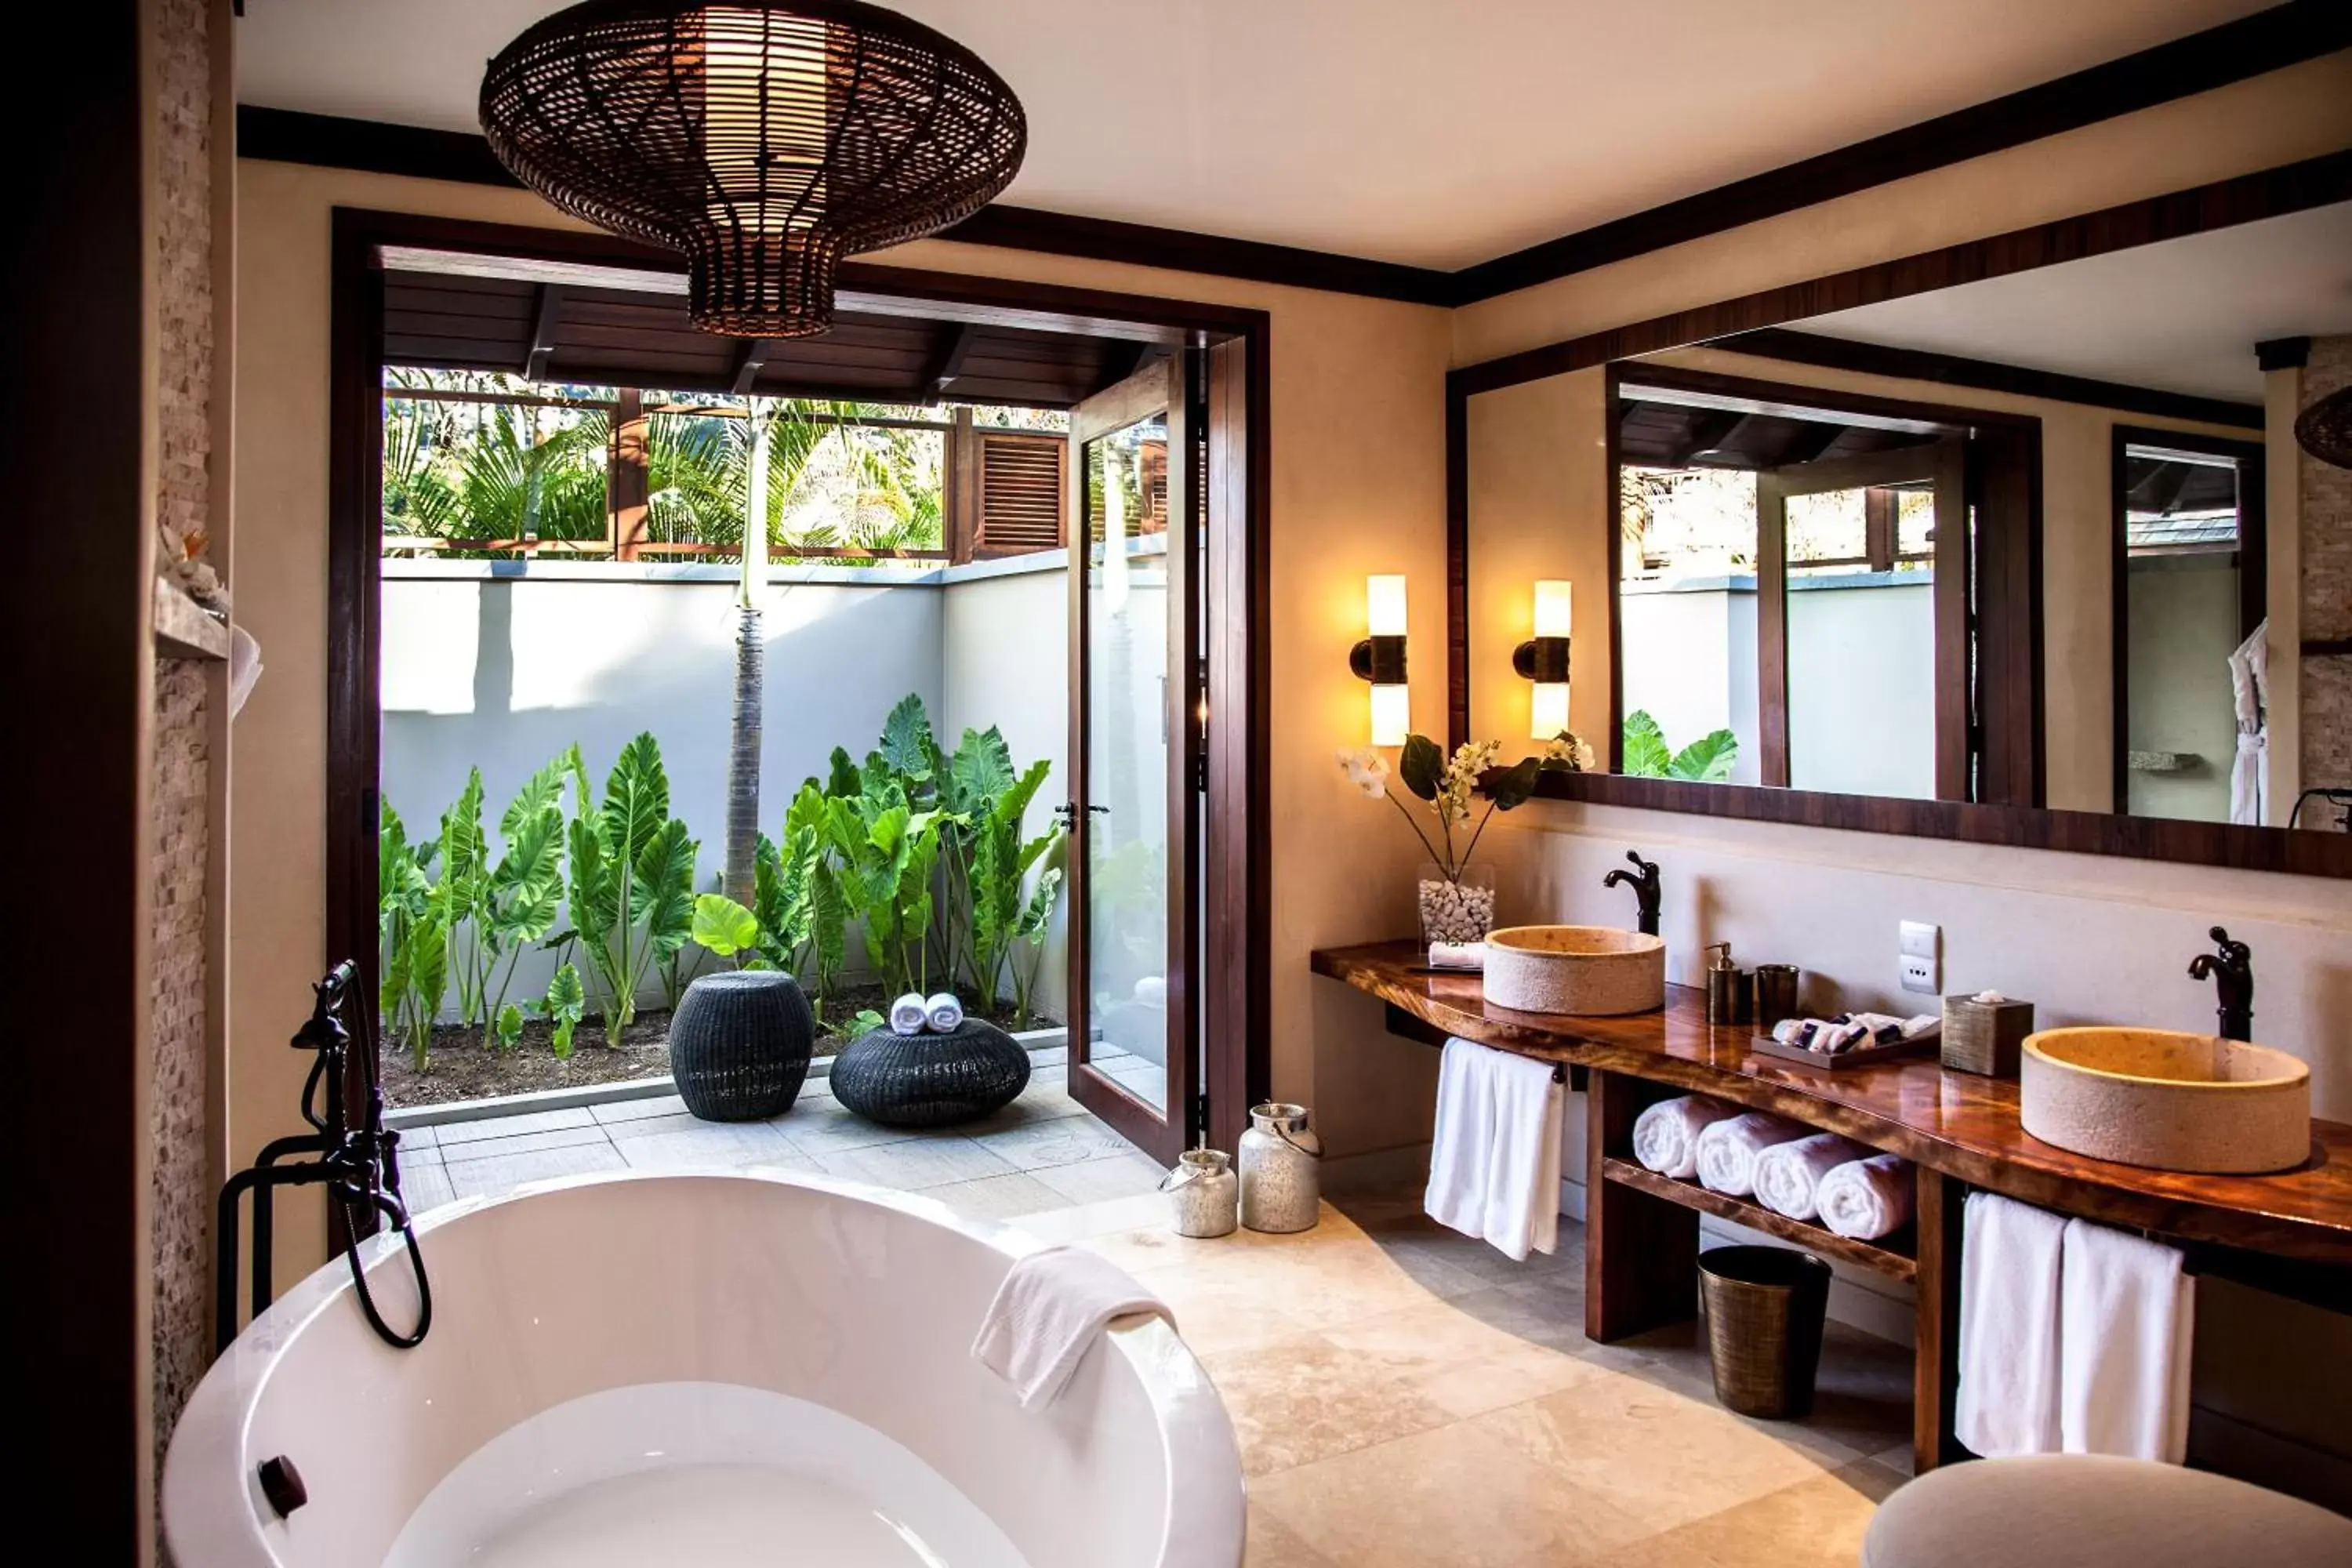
x,y
1815,1523
995,1198
1462,1366
1454,1497
1274,1544
1297,1400
1661,1457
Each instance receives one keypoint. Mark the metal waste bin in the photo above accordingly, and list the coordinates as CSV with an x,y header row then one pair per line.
x,y
1765,1309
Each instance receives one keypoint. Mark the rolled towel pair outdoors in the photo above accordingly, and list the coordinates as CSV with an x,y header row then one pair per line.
x,y
912,1013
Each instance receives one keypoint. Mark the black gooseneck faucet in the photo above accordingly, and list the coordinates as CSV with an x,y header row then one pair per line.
x,y
2231,967
1644,880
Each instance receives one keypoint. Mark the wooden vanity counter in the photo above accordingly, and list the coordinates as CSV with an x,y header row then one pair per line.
x,y
1962,1130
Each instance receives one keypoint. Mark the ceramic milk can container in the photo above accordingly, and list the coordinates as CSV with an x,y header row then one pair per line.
x,y
1281,1165
1203,1194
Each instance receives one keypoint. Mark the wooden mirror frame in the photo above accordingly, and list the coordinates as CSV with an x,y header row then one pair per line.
x,y
2274,193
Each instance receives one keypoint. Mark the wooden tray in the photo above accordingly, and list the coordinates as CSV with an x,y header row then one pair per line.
x,y
1845,1061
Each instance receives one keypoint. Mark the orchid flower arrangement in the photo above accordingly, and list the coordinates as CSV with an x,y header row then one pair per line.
x,y
1447,787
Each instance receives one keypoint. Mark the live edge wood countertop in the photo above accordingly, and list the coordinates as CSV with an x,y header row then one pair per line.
x,y
1960,1124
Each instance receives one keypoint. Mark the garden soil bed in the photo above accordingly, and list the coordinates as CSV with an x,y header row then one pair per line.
x,y
459,1069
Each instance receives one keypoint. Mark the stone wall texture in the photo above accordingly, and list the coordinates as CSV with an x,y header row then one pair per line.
x,y
180,63
2326,498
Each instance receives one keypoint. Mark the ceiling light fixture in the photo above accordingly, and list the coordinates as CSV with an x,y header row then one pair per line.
x,y
763,138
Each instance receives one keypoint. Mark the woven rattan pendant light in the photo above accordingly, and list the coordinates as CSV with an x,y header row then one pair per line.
x,y
2324,430
764,139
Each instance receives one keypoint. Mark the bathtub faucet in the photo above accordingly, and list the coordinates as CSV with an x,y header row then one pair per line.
x,y
1644,880
2231,967
359,1166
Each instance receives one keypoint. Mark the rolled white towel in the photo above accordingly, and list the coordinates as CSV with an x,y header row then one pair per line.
x,y
1728,1150
1665,1136
908,1015
1152,990
943,1013
1457,955
1789,1176
1865,1199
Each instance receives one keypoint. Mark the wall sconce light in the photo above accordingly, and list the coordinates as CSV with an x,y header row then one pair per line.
x,y
1543,659
1380,659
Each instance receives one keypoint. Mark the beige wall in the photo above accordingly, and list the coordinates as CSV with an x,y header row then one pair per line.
x,y
1358,488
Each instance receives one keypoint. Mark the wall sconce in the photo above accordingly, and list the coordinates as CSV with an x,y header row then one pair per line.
x,y
1543,659
1380,659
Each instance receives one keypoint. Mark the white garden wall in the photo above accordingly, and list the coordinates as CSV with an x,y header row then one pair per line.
x,y
503,665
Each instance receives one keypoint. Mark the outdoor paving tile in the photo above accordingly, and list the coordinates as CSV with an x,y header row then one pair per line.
x,y
1053,1056
713,1146
1063,1141
825,1127
420,1137
1112,1176
916,1164
646,1126
424,1183
496,1173
452,1133
524,1142
614,1112
995,1198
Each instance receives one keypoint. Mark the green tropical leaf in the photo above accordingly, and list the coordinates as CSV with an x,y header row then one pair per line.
x,y
1012,804
1422,766
724,926
661,889
981,773
509,1026
1647,756
828,920
565,1004
637,798
1512,787
907,743
542,790
1707,760
527,884
842,778
1039,913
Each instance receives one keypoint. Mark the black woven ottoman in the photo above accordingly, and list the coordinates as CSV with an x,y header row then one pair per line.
x,y
739,1044
930,1080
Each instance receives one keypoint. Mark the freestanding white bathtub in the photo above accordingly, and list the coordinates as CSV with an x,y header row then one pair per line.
x,y
704,1372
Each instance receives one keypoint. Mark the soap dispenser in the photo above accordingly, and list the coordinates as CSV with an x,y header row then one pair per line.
x,y
1728,987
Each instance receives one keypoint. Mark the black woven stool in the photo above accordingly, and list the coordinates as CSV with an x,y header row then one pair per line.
x,y
930,1080
740,1042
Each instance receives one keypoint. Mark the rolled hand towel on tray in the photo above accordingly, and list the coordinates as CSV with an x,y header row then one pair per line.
x,y
1052,1308
906,1015
1865,1199
1728,1150
1665,1136
1789,1176
943,1013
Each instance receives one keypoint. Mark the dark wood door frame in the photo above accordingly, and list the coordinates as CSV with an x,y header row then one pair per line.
x,y
1234,998
2253,560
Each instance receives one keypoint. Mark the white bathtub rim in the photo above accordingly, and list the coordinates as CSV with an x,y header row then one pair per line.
x,y
204,1464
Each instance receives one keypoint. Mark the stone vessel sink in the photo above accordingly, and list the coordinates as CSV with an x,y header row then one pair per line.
x,y
2168,1100
1596,971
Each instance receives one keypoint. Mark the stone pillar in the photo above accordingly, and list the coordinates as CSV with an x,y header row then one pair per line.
x,y
2324,497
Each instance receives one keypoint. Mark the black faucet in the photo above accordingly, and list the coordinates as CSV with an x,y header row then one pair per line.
x,y
2231,969
1644,879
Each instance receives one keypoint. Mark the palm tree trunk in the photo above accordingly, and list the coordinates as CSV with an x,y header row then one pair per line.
x,y
750,670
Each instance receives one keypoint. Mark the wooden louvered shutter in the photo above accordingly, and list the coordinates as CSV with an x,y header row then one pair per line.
x,y
1020,484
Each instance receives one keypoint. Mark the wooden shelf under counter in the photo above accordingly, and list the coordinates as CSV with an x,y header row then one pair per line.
x,y
2290,1232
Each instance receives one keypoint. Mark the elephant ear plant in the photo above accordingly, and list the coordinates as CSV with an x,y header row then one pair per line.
x,y
631,880
412,925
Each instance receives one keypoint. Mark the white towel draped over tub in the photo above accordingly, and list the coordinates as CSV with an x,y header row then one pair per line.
x,y
1665,1135
1494,1167
2126,1317
2008,1398
1728,1150
1789,1176
1865,1199
1052,1308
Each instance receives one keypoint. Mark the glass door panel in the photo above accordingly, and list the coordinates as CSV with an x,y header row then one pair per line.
x,y
1132,633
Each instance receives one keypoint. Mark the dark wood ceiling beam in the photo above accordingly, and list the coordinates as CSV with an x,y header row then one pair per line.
x,y
749,363
542,331
1710,430
1119,362
946,368
1806,439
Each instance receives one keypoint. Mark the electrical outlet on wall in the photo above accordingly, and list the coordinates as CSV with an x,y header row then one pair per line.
x,y
1919,949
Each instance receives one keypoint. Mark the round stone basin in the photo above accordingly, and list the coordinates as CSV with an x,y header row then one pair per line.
x,y
1596,971
2166,1100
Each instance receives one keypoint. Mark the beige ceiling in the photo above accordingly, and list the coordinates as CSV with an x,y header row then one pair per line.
x,y
1410,130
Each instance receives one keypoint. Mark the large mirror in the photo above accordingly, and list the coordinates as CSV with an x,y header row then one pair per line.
x,y
2036,540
